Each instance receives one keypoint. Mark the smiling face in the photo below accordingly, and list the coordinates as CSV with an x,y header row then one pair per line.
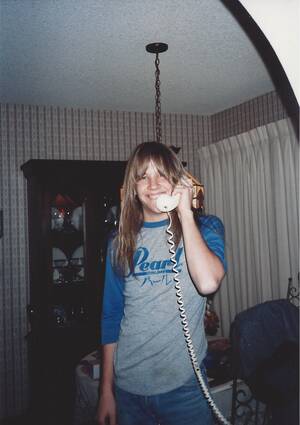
x,y
152,169
148,188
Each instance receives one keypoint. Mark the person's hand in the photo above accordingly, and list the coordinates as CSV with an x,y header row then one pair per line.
x,y
185,189
107,412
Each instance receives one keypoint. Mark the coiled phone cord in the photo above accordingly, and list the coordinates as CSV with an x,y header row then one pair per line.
x,y
186,331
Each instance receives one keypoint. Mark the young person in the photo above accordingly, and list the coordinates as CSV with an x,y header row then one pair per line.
x,y
147,376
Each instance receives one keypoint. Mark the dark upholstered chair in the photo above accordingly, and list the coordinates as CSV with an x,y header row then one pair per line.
x,y
265,350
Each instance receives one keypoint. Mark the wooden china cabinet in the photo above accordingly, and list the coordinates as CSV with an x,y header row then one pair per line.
x,y
72,207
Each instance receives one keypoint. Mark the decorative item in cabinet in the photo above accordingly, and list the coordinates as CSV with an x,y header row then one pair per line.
x,y
67,240
68,315
66,270
111,212
66,214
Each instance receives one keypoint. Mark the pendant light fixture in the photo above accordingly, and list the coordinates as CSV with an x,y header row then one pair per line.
x,y
198,188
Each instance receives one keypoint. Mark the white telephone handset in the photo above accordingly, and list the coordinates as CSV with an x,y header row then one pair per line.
x,y
166,203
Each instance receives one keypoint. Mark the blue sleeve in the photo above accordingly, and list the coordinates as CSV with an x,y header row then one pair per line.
x,y
113,302
212,231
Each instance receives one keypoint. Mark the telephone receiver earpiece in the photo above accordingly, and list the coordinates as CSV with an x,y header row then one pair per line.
x,y
166,203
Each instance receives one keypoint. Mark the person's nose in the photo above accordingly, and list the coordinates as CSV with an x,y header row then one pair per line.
x,y
153,182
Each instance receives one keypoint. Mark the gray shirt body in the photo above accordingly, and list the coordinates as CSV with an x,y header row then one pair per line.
x,y
151,355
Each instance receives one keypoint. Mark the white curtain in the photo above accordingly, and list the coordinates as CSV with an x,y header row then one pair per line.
x,y
251,183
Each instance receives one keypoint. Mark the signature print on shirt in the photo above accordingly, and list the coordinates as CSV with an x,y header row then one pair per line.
x,y
156,271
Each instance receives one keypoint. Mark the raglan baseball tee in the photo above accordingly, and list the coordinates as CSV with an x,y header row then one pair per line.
x,y
140,311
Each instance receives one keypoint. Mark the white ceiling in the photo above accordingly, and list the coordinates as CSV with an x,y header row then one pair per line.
x,y
91,54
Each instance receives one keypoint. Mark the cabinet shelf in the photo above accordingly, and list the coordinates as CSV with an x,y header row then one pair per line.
x,y
69,286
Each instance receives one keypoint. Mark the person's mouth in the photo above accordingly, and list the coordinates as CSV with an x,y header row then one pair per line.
x,y
154,196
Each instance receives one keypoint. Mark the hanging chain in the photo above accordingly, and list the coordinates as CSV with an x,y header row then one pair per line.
x,y
157,101
157,48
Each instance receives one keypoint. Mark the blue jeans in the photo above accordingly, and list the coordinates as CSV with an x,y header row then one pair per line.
x,y
185,405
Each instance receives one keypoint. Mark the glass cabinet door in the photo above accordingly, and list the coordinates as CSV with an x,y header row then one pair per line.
x,y
68,292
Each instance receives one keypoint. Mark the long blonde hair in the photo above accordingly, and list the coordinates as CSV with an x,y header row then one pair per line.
x,y
131,218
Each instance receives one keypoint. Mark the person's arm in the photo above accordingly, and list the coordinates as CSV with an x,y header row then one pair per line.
x,y
106,412
205,267
112,313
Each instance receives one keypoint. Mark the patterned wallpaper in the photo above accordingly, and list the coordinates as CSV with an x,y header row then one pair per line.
x,y
254,113
39,132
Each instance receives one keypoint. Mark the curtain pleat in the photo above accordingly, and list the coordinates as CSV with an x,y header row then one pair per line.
x,y
251,183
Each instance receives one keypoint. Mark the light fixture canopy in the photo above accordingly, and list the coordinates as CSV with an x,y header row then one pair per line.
x,y
156,48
